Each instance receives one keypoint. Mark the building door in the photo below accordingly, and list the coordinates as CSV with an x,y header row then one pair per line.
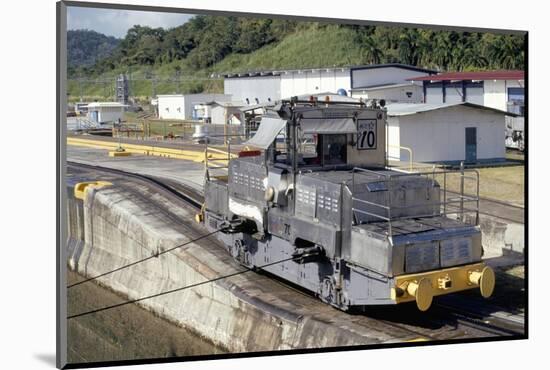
x,y
471,144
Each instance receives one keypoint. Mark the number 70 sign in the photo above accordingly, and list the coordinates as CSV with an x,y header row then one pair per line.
x,y
366,134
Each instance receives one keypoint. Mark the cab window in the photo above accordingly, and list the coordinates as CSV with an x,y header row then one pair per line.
x,y
334,149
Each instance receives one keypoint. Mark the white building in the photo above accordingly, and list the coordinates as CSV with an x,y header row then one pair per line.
x,y
502,90
220,113
446,132
103,112
181,107
270,86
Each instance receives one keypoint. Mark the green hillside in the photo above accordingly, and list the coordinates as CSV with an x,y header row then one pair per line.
x,y
330,46
86,47
206,46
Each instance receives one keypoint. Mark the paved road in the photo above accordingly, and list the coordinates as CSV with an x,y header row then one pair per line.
x,y
187,172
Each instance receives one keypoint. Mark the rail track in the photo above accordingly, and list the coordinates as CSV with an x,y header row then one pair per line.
x,y
444,321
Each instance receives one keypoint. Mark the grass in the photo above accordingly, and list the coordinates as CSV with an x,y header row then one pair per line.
x,y
313,47
170,129
501,183
515,155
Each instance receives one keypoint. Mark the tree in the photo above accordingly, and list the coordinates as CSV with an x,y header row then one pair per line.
x,y
371,52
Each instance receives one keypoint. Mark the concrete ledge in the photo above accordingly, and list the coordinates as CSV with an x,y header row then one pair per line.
x,y
114,225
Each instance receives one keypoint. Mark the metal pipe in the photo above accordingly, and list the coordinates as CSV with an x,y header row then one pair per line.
x,y
444,193
462,191
477,195
390,189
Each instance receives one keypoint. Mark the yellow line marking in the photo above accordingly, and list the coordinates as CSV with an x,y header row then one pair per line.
x,y
216,156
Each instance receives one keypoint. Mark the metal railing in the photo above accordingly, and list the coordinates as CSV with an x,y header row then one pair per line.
x,y
217,160
82,123
456,205
407,149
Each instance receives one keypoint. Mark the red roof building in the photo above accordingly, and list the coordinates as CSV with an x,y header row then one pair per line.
x,y
501,75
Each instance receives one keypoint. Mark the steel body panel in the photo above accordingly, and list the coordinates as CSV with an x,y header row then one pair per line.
x,y
318,199
246,179
406,196
216,197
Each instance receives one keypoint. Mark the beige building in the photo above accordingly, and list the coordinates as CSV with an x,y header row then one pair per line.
x,y
445,133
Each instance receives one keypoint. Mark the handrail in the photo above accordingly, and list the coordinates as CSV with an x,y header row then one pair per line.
x,y
215,161
406,148
449,206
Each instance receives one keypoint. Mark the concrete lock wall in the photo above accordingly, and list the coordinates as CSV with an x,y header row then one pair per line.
x,y
500,237
111,228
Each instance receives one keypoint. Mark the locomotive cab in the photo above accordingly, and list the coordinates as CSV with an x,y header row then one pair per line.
x,y
321,199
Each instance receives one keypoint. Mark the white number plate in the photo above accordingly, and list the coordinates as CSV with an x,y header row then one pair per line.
x,y
366,134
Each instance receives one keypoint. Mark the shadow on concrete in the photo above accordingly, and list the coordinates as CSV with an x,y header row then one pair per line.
x,y
404,314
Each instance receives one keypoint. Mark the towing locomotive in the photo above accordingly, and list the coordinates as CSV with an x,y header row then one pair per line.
x,y
319,207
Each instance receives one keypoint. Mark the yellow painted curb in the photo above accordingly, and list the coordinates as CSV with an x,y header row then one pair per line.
x,y
81,187
114,153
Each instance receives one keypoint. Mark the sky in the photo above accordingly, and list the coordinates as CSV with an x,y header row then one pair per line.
x,y
112,22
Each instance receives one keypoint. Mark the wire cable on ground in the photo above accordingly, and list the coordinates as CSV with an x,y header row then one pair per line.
x,y
144,259
178,289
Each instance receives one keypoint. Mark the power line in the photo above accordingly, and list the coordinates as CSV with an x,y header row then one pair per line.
x,y
178,289
144,259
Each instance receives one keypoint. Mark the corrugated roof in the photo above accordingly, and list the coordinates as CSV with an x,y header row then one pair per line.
x,y
404,109
477,76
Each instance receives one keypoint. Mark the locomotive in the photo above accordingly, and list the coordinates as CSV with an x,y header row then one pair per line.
x,y
317,205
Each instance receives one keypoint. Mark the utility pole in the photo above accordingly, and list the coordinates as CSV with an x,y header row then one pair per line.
x,y
80,86
178,75
154,86
129,82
